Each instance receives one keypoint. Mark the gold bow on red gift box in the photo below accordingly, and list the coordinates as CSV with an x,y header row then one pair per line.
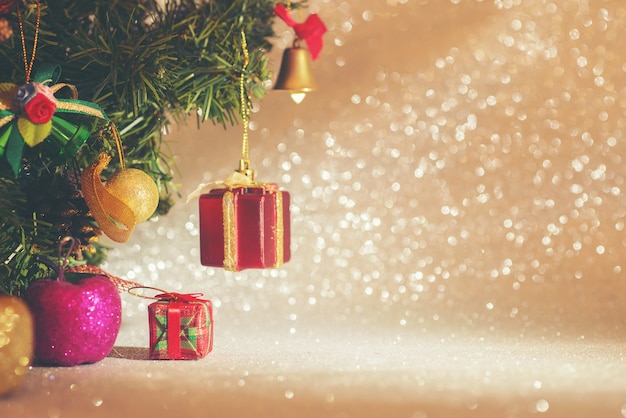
x,y
231,233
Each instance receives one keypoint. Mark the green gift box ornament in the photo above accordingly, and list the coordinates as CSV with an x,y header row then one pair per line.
x,y
181,324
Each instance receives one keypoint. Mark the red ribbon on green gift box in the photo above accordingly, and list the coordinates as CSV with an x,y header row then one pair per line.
x,y
180,297
176,301
173,329
167,325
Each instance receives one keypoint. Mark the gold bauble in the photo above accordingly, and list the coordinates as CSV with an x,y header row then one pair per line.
x,y
137,190
17,337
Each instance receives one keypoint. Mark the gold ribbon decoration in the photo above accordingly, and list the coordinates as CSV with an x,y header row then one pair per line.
x,y
114,217
229,221
122,285
230,231
279,232
236,179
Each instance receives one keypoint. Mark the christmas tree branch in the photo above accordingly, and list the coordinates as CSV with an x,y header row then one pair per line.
x,y
142,62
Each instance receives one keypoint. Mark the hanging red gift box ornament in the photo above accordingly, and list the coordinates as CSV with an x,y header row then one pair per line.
x,y
243,223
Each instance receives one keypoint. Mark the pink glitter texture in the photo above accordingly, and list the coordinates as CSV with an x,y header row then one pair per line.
x,y
74,323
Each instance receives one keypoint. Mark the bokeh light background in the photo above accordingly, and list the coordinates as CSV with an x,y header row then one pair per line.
x,y
458,245
460,170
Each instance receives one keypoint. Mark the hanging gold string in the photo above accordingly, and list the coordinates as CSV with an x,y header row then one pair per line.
x,y
299,10
118,144
245,111
28,64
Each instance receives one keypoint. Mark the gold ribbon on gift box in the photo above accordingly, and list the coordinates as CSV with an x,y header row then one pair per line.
x,y
280,231
243,177
230,233
237,180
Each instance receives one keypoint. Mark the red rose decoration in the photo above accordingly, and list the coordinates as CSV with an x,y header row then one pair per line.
x,y
42,106
6,6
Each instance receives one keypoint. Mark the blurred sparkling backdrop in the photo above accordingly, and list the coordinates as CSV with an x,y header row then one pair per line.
x,y
457,230
459,170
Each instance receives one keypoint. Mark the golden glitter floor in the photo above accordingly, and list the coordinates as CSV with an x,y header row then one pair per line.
x,y
340,373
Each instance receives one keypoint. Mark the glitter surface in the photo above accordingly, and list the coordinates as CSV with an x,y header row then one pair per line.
x,y
457,228
74,323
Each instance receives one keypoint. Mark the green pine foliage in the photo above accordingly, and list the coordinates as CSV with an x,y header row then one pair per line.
x,y
146,63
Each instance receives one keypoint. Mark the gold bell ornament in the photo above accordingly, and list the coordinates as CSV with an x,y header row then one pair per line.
x,y
295,74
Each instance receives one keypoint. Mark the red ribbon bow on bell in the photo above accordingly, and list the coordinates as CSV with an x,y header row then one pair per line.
x,y
310,31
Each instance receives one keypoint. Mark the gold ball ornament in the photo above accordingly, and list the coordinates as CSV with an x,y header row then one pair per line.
x,y
17,337
137,190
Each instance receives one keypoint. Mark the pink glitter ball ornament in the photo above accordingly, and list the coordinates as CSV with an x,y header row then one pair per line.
x,y
75,323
